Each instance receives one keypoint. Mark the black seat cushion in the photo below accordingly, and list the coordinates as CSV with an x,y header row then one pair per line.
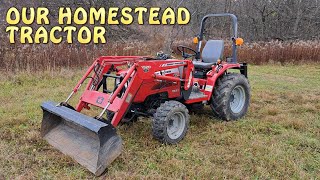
x,y
203,65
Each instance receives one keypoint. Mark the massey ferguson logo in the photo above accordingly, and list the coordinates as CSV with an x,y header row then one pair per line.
x,y
100,100
146,68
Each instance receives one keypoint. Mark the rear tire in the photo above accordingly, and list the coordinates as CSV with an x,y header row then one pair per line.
x,y
231,97
170,122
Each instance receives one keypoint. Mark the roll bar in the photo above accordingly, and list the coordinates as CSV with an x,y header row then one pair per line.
x,y
235,33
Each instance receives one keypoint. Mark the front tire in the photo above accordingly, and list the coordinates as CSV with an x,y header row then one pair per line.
x,y
170,122
231,97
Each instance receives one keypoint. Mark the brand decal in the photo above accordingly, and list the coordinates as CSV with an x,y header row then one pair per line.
x,y
146,68
172,64
129,97
100,100
209,88
174,71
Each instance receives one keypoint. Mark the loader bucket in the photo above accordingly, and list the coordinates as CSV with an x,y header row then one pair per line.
x,y
92,143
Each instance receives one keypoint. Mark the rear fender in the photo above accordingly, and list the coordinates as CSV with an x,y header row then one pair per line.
x,y
214,74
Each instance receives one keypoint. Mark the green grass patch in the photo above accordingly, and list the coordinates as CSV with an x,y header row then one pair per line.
x,y
278,139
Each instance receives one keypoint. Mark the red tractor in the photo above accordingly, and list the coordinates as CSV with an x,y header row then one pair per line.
x,y
150,87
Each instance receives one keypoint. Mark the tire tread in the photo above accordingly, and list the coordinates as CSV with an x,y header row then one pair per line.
x,y
160,118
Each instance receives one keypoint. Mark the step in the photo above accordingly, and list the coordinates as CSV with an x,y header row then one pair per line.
x,y
196,95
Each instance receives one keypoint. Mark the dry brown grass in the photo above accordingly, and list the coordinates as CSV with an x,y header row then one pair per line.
x,y
31,58
296,52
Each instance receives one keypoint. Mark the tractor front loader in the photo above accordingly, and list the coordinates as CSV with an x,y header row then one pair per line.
x,y
126,87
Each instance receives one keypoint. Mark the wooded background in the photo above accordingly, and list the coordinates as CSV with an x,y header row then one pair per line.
x,y
259,20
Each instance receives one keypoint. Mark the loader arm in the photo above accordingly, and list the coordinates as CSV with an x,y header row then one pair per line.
x,y
109,102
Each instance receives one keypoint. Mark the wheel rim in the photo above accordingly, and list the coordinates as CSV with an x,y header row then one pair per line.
x,y
238,98
176,125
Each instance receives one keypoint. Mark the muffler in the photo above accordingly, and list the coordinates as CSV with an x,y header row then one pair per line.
x,y
92,143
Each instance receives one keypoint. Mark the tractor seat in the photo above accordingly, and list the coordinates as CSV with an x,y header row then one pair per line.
x,y
212,51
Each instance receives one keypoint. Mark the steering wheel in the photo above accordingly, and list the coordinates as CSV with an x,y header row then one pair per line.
x,y
183,50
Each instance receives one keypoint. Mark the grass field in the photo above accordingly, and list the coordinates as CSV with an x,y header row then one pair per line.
x,y
278,139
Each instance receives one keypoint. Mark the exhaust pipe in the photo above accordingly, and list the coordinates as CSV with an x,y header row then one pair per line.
x,y
92,143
